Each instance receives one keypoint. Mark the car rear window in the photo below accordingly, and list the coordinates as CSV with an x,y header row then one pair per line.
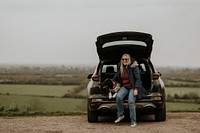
x,y
124,42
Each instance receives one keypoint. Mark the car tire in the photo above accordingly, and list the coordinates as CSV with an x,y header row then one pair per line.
x,y
160,115
92,115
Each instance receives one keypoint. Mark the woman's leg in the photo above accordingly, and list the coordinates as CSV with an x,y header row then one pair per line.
x,y
119,100
131,103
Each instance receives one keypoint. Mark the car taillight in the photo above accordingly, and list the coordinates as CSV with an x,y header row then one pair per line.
x,y
156,75
95,78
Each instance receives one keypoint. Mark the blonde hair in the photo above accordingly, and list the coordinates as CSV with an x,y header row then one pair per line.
x,y
121,63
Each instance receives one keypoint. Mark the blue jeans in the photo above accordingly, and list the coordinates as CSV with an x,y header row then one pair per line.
x,y
131,103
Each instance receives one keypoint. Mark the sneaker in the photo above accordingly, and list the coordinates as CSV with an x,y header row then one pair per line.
x,y
133,125
119,119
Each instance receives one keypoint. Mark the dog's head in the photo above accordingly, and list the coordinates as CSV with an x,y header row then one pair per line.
x,y
107,84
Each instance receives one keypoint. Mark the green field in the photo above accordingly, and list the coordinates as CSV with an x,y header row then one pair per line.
x,y
182,90
41,98
36,90
44,103
179,106
183,107
49,98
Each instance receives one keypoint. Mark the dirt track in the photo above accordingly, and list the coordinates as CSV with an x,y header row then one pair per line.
x,y
175,123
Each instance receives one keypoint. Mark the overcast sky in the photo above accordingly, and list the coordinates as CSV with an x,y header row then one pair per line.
x,y
65,31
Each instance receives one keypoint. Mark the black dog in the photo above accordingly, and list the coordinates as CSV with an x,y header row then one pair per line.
x,y
111,87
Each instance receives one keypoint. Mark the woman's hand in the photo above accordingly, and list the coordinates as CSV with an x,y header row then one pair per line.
x,y
115,89
135,92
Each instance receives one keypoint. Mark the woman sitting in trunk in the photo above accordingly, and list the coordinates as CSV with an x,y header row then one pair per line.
x,y
128,76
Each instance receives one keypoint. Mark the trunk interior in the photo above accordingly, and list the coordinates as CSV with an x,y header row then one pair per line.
x,y
110,68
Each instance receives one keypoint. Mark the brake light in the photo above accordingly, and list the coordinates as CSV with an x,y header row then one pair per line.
x,y
95,78
156,75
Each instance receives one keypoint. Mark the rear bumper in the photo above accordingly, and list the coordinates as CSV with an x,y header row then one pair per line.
x,y
144,106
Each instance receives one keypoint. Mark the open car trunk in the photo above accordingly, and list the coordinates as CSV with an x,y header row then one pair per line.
x,y
110,68
113,45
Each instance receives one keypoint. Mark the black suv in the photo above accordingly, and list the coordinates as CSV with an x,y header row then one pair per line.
x,y
110,48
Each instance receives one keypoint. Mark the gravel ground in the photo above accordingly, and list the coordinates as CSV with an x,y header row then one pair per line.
x,y
175,123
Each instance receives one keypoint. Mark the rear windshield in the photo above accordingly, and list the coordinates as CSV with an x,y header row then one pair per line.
x,y
124,42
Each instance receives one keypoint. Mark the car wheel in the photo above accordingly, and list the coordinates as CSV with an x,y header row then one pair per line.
x,y
160,115
92,115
